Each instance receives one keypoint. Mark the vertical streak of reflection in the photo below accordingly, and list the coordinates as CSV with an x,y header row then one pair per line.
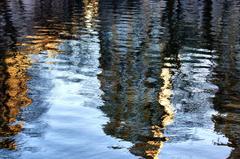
x,y
90,13
14,97
165,95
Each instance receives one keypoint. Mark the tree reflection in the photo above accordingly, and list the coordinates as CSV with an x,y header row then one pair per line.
x,y
15,63
13,95
156,57
226,102
13,82
136,94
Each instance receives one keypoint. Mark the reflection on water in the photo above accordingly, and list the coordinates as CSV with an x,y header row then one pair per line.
x,y
119,79
165,95
227,77
13,95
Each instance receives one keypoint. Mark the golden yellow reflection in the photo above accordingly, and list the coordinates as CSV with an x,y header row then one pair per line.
x,y
154,146
14,78
13,96
90,13
165,95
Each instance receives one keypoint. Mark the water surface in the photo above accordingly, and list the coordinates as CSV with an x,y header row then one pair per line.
x,y
119,79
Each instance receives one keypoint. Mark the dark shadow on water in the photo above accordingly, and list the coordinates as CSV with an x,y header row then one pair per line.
x,y
227,100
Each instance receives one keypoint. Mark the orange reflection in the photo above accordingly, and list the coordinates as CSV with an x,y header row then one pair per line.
x,y
14,95
41,42
14,76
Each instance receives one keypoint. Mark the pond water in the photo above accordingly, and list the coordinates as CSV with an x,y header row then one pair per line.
x,y
119,79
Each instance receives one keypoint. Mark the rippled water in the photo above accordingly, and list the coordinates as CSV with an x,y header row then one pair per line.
x,y
119,79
